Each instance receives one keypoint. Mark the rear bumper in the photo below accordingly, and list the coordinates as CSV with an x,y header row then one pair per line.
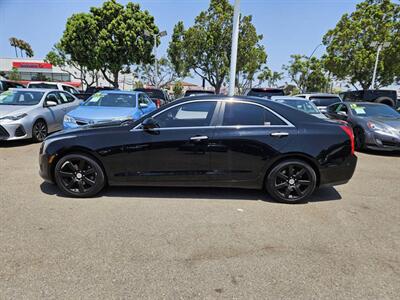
x,y
338,174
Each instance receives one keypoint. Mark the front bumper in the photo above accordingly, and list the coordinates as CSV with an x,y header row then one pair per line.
x,y
377,141
45,167
11,131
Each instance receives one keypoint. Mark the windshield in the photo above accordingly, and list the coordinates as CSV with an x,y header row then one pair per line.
x,y
265,93
20,98
43,86
303,105
153,93
111,100
366,110
324,101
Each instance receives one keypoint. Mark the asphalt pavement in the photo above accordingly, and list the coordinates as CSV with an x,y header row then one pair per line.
x,y
184,243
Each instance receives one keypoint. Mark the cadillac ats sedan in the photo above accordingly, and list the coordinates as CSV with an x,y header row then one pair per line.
x,y
205,141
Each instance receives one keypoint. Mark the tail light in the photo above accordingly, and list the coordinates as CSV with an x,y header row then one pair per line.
x,y
349,132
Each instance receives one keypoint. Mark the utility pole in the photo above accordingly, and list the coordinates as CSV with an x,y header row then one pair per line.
x,y
235,37
161,34
380,47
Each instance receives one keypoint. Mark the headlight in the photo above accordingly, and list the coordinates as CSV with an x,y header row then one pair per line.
x,y
14,118
69,119
381,128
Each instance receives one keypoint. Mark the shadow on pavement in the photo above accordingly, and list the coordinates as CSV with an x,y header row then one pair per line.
x,y
171,193
381,153
19,143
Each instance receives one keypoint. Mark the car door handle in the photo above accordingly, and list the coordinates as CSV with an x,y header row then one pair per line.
x,y
279,134
199,138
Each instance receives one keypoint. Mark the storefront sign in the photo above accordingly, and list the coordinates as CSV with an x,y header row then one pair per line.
x,y
31,65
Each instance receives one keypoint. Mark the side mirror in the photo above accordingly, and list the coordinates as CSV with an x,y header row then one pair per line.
x,y
342,113
143,105
149,124
51,103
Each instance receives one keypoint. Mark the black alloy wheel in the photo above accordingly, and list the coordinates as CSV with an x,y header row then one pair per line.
x,y
39,131
291,181
359,138
78,175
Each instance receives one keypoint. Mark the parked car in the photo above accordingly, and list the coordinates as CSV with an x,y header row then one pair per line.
x,y
198,92
106,106
91,90
387,97
210,141
300,104
376,126
321,100
33,113
53,86
9,84
158,96
265,92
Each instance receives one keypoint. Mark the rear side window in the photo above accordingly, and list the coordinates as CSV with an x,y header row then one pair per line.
x,y
249,114
193,114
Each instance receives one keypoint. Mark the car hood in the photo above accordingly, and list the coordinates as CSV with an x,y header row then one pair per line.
x,y
7,110
390,121
97,113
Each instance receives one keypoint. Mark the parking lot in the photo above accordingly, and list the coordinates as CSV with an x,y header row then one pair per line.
x,y
198,243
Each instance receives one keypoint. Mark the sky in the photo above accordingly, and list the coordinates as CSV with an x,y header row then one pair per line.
x,y
288,26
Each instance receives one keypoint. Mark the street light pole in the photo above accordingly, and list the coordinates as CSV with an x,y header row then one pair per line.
x,y
161,34
380,47
235,37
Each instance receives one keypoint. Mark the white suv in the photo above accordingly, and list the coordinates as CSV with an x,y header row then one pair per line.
x,y
321,100
52,86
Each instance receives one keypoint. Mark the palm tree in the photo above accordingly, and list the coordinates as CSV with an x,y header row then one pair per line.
x,y
14,42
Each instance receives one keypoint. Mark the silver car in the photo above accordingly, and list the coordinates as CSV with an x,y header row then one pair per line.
x,y
33,113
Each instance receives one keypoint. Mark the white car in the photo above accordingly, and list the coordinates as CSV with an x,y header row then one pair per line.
x,y
321,100
301,104
33,113
53,86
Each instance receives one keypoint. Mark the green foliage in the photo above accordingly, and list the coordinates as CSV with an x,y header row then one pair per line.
x,y
165,73
14,74
178,89
205,47
138,84
350,55
308,74
22,45
109,38
270,77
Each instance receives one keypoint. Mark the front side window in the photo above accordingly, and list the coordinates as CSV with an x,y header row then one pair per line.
x,y
20,97
66,98
242,114
55,97
193,114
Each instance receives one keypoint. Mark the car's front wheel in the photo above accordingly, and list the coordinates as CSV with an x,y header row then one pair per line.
x,y
39,131
79,175
291,181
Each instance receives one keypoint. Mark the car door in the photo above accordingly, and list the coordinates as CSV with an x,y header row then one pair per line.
x,y
247,137
177,151
55,114
142,99
338,111
70,101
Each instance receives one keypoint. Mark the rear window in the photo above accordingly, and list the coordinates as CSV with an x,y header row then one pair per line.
x,y
43,86
265,93
324,101
153,93
197,92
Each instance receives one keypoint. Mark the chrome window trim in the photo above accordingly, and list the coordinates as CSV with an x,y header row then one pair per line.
x,y
288,123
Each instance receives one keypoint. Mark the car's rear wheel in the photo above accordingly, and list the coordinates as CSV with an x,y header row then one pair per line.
x,y
291,181
39,131
79,175
359,138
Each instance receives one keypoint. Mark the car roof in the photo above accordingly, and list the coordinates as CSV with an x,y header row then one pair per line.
x,y
35,90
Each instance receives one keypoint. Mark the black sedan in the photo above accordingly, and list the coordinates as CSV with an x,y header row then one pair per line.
x,y
208,141
376,126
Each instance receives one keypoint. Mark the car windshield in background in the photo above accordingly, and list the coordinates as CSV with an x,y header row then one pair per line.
x,y
265,93
324,101
111,100
42,86
153,93
303,105
20,98
365,110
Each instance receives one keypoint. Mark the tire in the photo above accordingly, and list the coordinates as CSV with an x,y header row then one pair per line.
x,y
291,181
39,131
79,176
359,139
385,100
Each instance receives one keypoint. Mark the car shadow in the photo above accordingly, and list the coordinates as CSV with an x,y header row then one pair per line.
x,y
18,143
381,153
192,193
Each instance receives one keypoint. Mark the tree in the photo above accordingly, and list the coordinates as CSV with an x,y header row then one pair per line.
x,y
110,38
308,74
271,77
166,73
57,57
178,89
22,46
350,55
205,47
14,74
